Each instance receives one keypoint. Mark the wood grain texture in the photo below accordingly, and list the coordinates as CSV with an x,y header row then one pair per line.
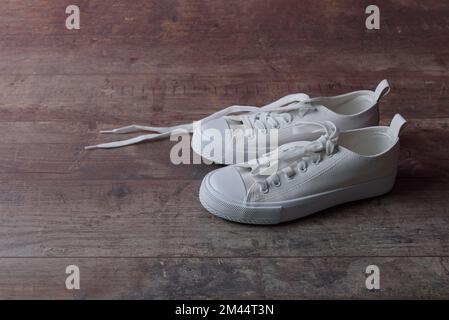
x,y
225,278
132,220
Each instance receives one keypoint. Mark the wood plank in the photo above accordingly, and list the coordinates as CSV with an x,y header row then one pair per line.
x,y
225,278
159,218
132,220
245,40
54,150
117,100
177,19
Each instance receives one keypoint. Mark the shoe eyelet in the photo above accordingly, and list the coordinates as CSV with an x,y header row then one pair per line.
x,y
264,190
316,162
278,184
290,177
304,169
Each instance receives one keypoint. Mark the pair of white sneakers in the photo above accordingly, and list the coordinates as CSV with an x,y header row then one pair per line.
x,y
331,151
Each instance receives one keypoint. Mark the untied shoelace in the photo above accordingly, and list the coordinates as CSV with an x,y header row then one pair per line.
x,y
259,117
287,156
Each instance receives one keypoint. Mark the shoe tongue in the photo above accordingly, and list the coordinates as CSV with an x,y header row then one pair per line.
x,y
247,178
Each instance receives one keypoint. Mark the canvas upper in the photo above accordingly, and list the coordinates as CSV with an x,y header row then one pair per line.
x,y
299,169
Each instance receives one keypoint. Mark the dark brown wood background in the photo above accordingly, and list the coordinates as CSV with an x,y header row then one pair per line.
x,y
132,221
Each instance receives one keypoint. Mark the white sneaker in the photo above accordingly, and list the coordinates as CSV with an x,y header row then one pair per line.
x,y
237,126
306,177
248,136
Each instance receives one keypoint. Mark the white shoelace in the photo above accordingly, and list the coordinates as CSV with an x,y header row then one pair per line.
x,y
273,120
260,117
287,157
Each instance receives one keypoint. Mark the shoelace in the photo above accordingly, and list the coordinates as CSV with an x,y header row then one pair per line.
x,y
261,117
273,120
287,157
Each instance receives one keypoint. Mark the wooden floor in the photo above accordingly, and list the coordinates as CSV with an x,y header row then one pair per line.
x,y
132,221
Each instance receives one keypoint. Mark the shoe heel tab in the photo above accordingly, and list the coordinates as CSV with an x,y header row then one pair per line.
x,y
382,89
397,123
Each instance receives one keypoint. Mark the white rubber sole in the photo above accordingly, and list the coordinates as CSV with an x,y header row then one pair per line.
x,y
282,211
